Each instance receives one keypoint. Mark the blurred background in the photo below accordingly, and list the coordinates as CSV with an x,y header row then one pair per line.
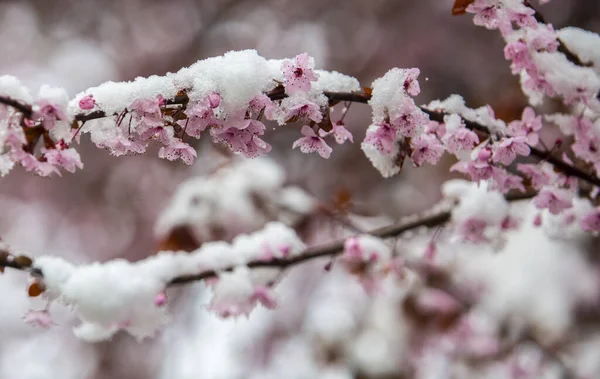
x,y
109,209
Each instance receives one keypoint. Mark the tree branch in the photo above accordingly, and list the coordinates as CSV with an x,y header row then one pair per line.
x,y
356,97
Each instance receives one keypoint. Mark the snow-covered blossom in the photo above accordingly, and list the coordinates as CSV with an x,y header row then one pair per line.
x,y
311,142
426,148
457,137
383,137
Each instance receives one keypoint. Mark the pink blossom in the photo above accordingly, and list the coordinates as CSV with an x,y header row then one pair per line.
x,y
214,99
587,146
161,299
437,128
409,120
472,230
411,84
87,102
383,136
303,111
68,159
505,181
484,154
461,139
263,103
477,170
298,74
518,53
426,148
340,133
507,150
242,136
538,177
485,14
148,114
200,116
528,126
265,296
311,142
32,164
590,222
50,113
178,150
554,199
38,318
162,134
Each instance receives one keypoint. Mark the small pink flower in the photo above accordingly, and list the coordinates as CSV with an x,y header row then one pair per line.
x,y
411,84
410,120
518,53
38,318
305,111
263,103
50,113
426,148
459,140
242,136
505,181
383,136
178,150
485,14
590,222
473,230
32,164
477,170
538,177
298,74
87,102
554,199
68,159
162,134
265,296
508,149
311,142
161,299
340,133
484,154
537,221
528,126
200,116
214,99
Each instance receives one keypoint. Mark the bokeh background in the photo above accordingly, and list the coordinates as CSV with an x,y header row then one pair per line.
x,y
109,209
